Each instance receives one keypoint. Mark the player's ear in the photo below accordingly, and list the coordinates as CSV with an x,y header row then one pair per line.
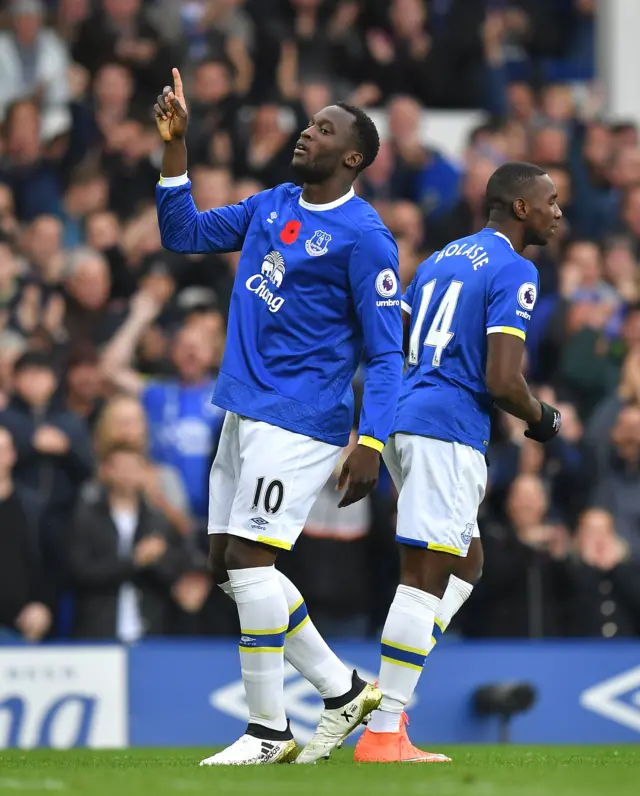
x,y
353,160
520,209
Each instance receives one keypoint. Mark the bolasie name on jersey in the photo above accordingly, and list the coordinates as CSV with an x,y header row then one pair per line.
x,y
473,251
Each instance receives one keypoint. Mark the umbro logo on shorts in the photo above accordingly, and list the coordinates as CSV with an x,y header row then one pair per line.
x,y
259,521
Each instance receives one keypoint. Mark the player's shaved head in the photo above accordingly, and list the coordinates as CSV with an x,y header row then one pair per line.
x,y
508,183
522,201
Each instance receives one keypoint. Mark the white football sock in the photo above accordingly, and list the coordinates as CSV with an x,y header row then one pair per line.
x,y
304,647
457,593
405,640
264,618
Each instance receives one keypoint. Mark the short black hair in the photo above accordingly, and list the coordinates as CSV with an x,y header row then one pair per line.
x,y
505,185
34,359
368,140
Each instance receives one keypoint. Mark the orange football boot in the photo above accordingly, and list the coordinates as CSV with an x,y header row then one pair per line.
x,y
393,747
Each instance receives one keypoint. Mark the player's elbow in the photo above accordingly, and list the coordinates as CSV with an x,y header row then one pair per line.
x,y
173,240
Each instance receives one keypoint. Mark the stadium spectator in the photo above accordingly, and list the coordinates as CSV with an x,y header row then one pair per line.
x,y
125,557
28,165
118,32
24,608
606,580
33,65
184,424
617,487
123,422
523,591
54,455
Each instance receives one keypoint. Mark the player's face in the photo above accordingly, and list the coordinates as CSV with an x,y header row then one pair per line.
x,y
325,146
543,212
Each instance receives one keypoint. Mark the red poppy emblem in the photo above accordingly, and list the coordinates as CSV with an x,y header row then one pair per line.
x,y
290,232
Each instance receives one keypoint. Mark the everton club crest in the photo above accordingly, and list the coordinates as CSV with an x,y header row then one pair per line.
x,y
318,243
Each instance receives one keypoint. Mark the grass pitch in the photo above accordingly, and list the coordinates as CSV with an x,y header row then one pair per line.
x,y
476,771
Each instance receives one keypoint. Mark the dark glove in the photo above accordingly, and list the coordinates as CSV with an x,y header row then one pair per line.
x,y
548,425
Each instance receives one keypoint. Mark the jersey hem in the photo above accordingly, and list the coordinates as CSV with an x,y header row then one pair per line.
x,y
443,438
340,440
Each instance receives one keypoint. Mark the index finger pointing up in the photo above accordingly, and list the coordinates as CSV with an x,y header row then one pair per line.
x,y
177,85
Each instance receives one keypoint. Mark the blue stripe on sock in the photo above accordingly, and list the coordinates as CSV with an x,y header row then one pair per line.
x,y
256,642
297,617
437,633
402,655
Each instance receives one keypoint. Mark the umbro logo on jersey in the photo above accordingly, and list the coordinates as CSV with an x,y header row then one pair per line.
x,y
269,280
272,217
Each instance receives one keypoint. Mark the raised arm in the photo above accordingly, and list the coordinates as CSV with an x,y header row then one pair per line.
x,y
182,227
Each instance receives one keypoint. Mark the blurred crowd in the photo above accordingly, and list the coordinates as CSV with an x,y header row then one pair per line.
x,y
109,345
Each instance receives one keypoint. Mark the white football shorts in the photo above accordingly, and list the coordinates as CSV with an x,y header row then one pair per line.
x,y
264,481
440,488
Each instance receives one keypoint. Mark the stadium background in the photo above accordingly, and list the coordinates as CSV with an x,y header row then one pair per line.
x,y
107,338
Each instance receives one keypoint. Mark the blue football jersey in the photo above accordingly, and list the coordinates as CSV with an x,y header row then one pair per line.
x,y
474,287
316,286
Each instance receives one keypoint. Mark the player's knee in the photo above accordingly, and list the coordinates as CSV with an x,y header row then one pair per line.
x,y
426,570
245,554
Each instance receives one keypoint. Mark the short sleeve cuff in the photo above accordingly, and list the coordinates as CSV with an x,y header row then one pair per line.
x,y
406,307
173,182
507,330
371,442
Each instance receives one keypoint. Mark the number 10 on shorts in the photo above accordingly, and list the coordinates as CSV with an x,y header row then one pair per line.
x,y
273,496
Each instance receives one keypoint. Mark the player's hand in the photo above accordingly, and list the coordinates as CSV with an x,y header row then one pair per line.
x,y
547,427
171,110
359,474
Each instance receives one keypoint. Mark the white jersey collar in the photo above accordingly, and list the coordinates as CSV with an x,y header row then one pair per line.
x,y
330,205
500,235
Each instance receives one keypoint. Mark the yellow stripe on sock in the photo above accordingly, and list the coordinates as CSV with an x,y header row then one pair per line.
x,y
402,663
299,627
261,649
440,624
403,647
433,640
264,632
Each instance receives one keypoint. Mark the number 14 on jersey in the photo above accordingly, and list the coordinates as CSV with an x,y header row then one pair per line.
x,y
439,335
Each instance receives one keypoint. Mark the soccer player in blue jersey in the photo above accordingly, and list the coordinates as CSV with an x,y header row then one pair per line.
x,y
317,284
466,316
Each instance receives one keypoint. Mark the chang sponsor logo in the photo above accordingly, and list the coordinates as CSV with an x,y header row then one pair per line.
x,y
268,281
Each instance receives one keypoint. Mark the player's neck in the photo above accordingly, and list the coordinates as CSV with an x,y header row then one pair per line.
x,y
322,193
511,231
